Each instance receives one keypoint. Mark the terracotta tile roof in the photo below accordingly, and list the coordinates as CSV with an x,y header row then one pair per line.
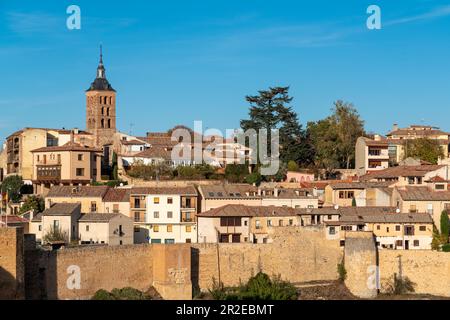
x,y
184,191
78,191
154,152
402,171
117,195
62,209
387,218
69,146
423,194
437,179
13,219
229,191
360,185
133,142
428,131
37,217
98,217
240,210
346,210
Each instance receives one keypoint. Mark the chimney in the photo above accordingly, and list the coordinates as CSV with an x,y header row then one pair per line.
x,y
275,192
76,131
377,137
395,127
259,191
71,136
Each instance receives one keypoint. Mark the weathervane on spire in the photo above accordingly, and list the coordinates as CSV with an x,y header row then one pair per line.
x,y
101,54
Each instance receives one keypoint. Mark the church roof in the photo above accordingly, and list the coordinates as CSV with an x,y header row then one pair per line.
x,y
101,83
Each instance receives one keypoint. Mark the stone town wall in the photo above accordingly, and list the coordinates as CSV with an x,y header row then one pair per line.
x,y
11,263
429,270
100,267
360,260
297,254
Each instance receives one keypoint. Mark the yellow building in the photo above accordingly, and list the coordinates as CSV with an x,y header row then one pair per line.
x,y
364,193
90,197
391,230
70,164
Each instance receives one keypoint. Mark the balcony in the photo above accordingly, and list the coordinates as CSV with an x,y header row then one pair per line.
x,y
48,173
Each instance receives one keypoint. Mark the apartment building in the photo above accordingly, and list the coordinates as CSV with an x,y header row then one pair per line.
x,y
18,147
69,164
90,197
371,154
364,193
407,175
214,196
399,139
423,199
237,223
393,230
164,214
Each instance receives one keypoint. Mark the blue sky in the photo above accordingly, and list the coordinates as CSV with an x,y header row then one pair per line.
x,y
173,62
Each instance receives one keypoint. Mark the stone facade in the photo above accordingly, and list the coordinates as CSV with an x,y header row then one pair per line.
x,y
11,263
296,254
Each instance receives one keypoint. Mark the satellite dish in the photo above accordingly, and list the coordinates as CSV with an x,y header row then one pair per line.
x,y
397,210
336,206
121,184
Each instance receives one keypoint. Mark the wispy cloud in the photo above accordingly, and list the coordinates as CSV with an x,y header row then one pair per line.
x,y
438,12
33,22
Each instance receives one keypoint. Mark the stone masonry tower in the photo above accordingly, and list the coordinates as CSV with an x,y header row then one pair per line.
x,y
101,110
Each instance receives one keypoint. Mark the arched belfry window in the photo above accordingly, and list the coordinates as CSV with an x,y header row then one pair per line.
x,y
103,123
109,123
107,111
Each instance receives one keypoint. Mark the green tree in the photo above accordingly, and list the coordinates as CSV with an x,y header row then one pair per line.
x,y
12,186
353,202
334,137
270,110
55,234
444,225
115,167
236,172
292,166
254,178
424,149
33,202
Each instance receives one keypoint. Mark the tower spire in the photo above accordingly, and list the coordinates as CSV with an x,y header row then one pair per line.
x,y
101,54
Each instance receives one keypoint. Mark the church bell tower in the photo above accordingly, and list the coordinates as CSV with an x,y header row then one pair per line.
x,y
101,108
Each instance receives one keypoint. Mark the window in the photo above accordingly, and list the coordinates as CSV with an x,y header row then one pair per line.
x,y
416,243
155,241
155,228
169,241
410,180
137,216
346,194
224,238
80,172
269,223
412,208
332,230
169,228
156,214
80,157
188,228
93,206
137,202
387,229
399,243
346,228
409,230
423,228
291,222
329,217
169,200
257,224
169,214
55,224
280,223
397,228
156,200
40,227
439,186
137,229
87,228
342,243
230,221
236,238
378,227
188,240
115,208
